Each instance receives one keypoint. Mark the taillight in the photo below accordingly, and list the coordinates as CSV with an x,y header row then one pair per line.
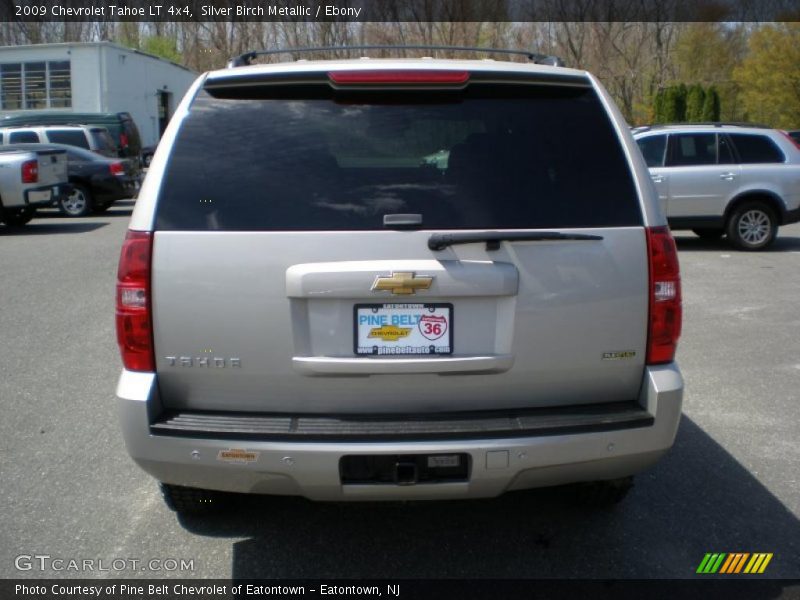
x,y
398,77
665,296
790,138
30,171
134,324
123,140
117,168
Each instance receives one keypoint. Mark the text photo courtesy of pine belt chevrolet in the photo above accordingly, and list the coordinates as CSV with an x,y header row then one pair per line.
x,y
307,306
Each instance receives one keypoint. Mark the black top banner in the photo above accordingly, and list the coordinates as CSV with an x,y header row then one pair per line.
x,y
359,11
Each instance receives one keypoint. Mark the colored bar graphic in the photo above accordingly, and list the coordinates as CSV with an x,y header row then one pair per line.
x,y
711,562
758,563
733,563
741,562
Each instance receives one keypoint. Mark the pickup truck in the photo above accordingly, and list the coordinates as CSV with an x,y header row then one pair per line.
x,y
30,178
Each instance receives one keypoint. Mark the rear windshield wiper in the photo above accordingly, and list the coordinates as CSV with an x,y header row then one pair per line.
x,y
440,241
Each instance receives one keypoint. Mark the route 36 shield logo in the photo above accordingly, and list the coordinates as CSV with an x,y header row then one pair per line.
x,y
432,327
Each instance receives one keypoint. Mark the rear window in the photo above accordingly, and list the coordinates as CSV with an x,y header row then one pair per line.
x,y
653,149
756,149
492,156
70,137
103,142
23,137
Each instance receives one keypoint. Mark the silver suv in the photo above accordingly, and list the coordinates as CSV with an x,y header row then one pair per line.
x,y
716,179
308,306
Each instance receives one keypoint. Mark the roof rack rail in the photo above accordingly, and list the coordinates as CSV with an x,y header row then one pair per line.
x,y
245,59
641,128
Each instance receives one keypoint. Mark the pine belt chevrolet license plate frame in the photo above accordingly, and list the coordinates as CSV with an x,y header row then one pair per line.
x,y
389,306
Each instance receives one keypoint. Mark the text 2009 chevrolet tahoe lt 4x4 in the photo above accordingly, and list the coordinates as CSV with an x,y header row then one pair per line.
x,y
307,304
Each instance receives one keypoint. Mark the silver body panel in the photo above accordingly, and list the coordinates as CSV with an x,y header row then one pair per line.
x,y
550,308
312,469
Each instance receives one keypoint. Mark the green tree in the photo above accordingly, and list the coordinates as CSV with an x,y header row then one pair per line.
x,y
658,106
770,75
711,105
708,53
163,46
680,106
673,107
694,103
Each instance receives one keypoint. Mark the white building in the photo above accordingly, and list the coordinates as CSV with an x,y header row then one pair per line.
x,y
93,77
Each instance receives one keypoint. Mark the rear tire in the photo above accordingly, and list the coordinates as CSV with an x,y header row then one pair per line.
x,y
603,494
752,226
186,500
78,203
709,233
16,217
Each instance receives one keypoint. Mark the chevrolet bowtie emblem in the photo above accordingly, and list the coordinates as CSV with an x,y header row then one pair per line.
x,y
402,284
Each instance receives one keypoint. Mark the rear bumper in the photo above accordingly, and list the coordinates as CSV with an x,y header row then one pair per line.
x,y
311,469
47,195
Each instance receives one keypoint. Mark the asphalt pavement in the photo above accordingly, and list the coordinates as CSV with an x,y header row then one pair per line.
x,y
69,490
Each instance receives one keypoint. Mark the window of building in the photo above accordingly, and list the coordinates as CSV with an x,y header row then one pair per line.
x,y
32,85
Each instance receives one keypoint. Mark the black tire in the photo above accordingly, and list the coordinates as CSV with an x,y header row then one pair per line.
x,y
186,500
16,217
708,233
603,494
78,203
752,226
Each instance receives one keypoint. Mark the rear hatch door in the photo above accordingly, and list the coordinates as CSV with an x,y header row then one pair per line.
x,y
310,256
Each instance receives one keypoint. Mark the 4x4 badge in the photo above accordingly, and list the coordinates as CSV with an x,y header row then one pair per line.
x,y
402,283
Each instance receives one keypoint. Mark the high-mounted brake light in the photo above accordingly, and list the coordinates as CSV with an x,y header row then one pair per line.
x,y
134,323
665,297
30,171
398,77
117,168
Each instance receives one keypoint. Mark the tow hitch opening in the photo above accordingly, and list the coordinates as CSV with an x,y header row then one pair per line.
x,y
404,469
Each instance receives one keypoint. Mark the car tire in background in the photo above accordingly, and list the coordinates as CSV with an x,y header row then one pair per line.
x,y
752,226
78,203
16,217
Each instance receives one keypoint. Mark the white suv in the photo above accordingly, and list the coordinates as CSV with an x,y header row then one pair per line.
x,y
89,137
717,179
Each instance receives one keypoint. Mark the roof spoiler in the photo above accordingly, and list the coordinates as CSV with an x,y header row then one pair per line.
x,y
246,59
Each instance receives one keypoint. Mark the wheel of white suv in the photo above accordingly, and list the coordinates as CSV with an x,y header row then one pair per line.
x,y
708,233
78,203
752,226
186,500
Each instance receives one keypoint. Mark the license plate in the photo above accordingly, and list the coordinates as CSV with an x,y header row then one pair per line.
x,y
39,196
403,329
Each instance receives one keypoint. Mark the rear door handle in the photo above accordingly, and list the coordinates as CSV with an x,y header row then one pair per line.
x,y
657,178
727,176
